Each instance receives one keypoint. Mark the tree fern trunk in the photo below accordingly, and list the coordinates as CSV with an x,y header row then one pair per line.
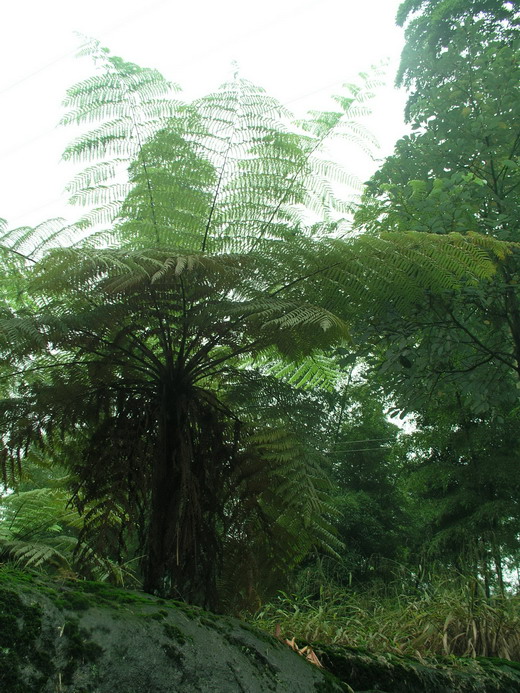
x,y
182,520
163,548
160,549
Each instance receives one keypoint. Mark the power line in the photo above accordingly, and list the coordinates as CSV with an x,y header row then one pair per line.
x,y
36,138
274,21
277,19
30,75
70,54
148,10
366,440
44,205
383,449
50,131
47,133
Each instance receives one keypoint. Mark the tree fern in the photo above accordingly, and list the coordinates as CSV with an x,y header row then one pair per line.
x,y
39,528
155,340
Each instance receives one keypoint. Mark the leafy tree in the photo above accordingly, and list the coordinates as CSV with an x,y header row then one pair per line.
x,y
465,485
454,361
433,26
176,343
457,172
373,522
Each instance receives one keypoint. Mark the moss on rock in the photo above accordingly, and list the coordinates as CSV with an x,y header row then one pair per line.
x,y
390,673
84,637
87,637
23,649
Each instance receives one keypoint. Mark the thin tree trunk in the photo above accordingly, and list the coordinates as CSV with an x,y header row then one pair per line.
x,y
499,569
182,545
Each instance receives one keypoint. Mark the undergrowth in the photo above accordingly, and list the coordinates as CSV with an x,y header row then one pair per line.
x,y
441,620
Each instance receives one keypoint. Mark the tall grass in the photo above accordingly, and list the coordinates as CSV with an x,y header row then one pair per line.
x,y
448,618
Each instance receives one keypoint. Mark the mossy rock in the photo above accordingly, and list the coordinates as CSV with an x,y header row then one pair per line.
x,y
82,637
88,637
387,673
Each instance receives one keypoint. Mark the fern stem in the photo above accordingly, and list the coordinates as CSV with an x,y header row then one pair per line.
x,y
207,369
185,329
16,252
304,277
214,203
220,179
112,345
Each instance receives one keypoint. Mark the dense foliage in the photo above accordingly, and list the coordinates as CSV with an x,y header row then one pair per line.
x,y
455,362
197,375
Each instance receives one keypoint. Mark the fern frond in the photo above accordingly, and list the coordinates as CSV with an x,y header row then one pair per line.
x,y
131,104
183,346
314,372
31,555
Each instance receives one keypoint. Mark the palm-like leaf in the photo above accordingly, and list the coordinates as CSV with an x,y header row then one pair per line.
x,y
149,341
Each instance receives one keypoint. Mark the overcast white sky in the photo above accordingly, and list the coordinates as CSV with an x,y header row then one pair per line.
x,y
299,50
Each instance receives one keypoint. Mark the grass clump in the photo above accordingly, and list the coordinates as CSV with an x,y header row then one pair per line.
x,y
448,619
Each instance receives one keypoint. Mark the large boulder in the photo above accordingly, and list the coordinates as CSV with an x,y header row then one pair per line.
x,y
87,637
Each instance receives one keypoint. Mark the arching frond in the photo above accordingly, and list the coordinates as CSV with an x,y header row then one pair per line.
x,y
183,342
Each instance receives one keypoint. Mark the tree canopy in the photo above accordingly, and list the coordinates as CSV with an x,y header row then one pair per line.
x,y
183,345
454,362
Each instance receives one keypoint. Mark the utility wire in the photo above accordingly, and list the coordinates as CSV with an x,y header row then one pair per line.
x,y
41,69
148,10
70,54
19,147
350,452
366,440
44,205
47,133
196,58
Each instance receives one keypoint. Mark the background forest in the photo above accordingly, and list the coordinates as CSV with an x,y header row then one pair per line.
x,y
199,378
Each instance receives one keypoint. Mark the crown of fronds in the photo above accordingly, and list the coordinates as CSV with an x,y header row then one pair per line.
x,y
197,277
